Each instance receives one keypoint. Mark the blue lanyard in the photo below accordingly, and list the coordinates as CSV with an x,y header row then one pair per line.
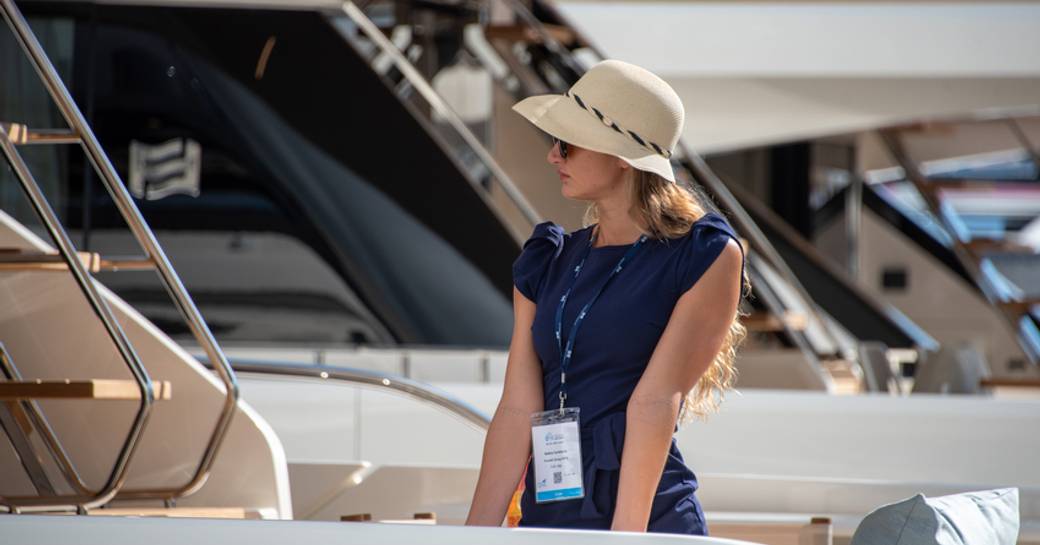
x,y
565,355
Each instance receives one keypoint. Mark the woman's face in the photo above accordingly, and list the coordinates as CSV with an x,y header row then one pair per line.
x,y
588,175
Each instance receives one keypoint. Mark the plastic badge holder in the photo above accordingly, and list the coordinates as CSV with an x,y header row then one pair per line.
x,y
556,454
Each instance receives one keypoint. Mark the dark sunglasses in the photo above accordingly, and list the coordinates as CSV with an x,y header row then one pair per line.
x,y
563,146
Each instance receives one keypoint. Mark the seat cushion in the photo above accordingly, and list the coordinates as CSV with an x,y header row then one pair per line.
x,y
988,517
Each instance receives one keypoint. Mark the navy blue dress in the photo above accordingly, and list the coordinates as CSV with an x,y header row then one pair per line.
x,y
613,347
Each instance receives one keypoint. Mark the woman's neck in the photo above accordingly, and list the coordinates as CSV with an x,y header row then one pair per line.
x,y
616,228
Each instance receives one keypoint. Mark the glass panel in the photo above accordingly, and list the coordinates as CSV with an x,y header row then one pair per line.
x,y
24,99
280,232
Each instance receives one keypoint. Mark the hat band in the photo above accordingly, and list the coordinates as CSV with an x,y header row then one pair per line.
x,y
613,125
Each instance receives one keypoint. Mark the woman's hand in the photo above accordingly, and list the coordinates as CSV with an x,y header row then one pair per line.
x,y
694,334
507,446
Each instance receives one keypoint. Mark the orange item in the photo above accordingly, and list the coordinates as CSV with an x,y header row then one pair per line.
x,y
513,515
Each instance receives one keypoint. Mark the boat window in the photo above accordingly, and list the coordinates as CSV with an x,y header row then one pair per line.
x,y
280,232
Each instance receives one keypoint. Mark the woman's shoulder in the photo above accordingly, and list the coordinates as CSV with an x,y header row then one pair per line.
x,y
699,247
711,223
554,235
545,244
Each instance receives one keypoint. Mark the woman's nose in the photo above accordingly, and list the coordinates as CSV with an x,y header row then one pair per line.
x,y
554,156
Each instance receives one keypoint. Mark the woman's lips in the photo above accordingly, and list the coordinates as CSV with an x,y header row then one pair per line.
x,y
562,175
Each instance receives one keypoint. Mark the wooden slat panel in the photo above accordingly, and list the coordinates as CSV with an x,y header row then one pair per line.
x,y
80,389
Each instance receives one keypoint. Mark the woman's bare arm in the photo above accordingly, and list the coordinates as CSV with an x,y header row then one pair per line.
x,y
508,442
691,339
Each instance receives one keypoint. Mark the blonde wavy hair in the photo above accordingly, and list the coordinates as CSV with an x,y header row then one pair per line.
x,y
670,209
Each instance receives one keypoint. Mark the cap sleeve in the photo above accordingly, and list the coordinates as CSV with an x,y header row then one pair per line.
x,y
701,247
529,268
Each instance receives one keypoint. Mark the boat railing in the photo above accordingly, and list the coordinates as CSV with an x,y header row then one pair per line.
x,y
385,381
13,135
970,253
477,164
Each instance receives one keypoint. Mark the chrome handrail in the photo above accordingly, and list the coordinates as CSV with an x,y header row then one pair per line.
x,y
50,220
443,109
40,422
144,236
411,387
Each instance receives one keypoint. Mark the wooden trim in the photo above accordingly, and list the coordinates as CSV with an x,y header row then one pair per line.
x,y
1018,308
985,245
523,33
13,259
767,322
1010,383
21,135
80,389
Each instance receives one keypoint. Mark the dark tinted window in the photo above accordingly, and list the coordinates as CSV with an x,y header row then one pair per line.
x,y
300,202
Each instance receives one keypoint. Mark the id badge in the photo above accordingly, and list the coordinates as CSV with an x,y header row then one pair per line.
x,y
556,453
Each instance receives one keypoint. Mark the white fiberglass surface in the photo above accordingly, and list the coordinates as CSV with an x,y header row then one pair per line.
x,y
158,531
331,421
921,438
51,333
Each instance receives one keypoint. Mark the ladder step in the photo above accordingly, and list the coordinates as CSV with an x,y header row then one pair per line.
x,y
997,245
768,322
20,260
523,33
1009,383
936,127
80,389
1020,307
21,135
975,184
844,375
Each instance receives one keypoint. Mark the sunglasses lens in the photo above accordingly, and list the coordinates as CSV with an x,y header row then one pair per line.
x,y
563,146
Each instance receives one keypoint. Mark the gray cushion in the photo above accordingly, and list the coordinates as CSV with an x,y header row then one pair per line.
x,y
989,517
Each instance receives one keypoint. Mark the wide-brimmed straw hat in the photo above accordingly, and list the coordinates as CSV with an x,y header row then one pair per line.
x,y
616,108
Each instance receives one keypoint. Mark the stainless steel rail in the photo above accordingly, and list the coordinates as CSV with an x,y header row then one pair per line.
x,y
413,388
40,423
68,251
144,236
417,80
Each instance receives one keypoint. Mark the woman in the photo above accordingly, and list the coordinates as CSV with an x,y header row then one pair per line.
x,y
652,284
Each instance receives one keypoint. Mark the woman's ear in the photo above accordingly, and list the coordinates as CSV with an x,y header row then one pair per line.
x,y
622,164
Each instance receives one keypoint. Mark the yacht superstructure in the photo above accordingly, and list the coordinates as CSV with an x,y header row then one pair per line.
x,y
319,440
